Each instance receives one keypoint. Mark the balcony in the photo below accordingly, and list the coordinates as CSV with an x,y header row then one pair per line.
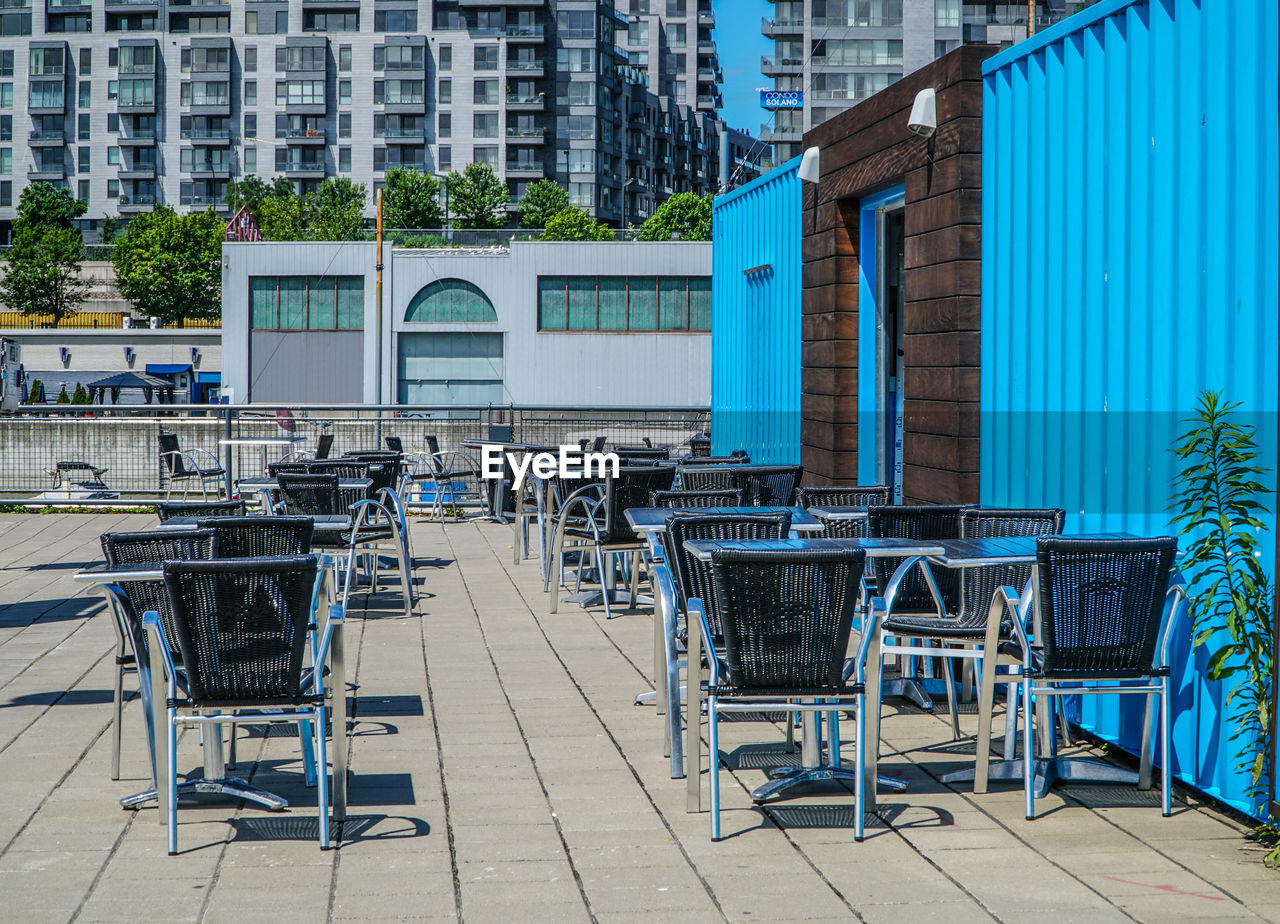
x,y
68,6
525,68
783,67
46,103
208,170
526,4
137,171
138,203
707,75
778,27
132,6
522,170
214,202
303,136
136,104
709,103
208,136
707,19
143,138
405,136
535,102
858,22
46,173
302,169
526,136
525,34
43,139
779,135
706,48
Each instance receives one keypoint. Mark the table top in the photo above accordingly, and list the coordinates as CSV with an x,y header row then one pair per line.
x,y
875,548
724,466
1003,550
116,574
257,484
324,521
839,513
261,440
654,519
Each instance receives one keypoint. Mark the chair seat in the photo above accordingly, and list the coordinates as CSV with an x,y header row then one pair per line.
x,y
370,534
852,689
198,473
935,626
280,702
1012,649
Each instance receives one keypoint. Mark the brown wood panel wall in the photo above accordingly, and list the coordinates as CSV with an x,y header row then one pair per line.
x,y
864,150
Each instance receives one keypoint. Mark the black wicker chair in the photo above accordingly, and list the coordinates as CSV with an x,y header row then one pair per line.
x,y
843,496
130,599
260,536
170,509
726,498
768,485
292,467
242,626
1105,616
394,443
786,618
179,466
699,446
717,478
603,526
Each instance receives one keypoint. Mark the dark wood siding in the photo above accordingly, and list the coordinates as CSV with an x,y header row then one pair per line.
x,y
865,150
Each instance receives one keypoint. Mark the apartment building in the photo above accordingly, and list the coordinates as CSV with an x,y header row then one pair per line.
x,y
130,103
839,52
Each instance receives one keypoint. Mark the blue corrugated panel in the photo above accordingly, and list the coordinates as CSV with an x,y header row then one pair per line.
x,y
755,318
1130,246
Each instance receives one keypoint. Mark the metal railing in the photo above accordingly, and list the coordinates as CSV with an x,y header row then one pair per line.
x,y
122,439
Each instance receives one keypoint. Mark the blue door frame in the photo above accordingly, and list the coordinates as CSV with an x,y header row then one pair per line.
x,y
869,373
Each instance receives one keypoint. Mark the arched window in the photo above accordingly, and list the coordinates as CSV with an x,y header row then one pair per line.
x,y
450,300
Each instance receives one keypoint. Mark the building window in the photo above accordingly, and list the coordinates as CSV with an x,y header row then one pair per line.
x,y
113,156
576,60
485,155
858,52
6,127
486,57
250,160
946,13
485,93
251,92
395,21
6,96
83,191
446,125
6,161
445,58
344,125
289,92
330,20
251,125
113,123
6,193
344,160
82,158
624,303
6,63
677,35
250,59
577,24
450,300
344,57
251,22
306,302
282,22
445,157
445,96
15,24
344,92
86,62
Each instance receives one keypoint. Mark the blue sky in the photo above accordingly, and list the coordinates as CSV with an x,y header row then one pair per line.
x,y
740,44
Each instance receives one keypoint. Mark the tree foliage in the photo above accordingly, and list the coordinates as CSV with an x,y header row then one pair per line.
x,y
410,200
574,224
686,214
43,271
279,218
335,211
477,198
80,395
43,204
542,201
109,230
170,265
1218,507
249,193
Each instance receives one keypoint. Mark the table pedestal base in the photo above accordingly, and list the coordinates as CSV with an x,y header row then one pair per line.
x,y
588,598
233,787
784,778
1051,770
920,690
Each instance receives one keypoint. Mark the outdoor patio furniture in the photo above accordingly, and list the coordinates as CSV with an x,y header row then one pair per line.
x,y
179,466
768,485
128,600
699,446
394,443
604,530
694,477
455,482
786,619
378,528
391,467
291,467
242,628
641,454
261,536
1104,613
83,475
169,510
729,497
843,496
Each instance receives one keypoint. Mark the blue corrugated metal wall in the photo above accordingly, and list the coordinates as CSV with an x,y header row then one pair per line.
x,y
1129,261
755,318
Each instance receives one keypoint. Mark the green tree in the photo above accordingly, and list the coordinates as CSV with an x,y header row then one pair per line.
x,y
574,224
35,393
280,217
80,395
335,211
686,214
170,265
249,193
410,200
477,198
46,204
63,397
43,272
542,201
109,230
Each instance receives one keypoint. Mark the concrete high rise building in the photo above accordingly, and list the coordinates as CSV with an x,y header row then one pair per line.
x,y
130,103
839,52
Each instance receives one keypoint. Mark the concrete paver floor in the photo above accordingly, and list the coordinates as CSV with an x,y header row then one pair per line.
x,y
499,771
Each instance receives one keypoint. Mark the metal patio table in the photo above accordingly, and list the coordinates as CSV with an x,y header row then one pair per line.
x,y
498,486
262,442
811,767
215,779
651,522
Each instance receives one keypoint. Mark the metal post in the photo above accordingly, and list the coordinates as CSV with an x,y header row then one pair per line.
x,y
377,363
226,449
1031,18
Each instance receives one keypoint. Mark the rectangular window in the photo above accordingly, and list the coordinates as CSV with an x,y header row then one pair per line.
x,y
577,24
306,302
251,125
946,13
486,92
299,92
282,22
445,157
251,92
250,160
251,22
445,58
622,303
6,161
344,92
642,303
113,189
6,63
445,97
6,127
446,125
486,58
6,193
485,155
330,20
344,57
86,62
6,96
82,158
395,21
344,125
113,156
113,122
250,59
15,24
344,160
83,191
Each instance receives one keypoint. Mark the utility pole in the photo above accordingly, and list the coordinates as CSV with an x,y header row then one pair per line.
x,y
1031,18
377,365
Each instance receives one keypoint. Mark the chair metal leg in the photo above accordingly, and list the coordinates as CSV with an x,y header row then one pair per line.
x,y
949,674
1147,752
693,723
117,708
171,779
606,580
986,706
307,735
1166,751
871,758
1012,703
713,756
322,778
1028,752
860,783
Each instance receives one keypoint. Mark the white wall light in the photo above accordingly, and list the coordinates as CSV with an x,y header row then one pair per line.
x,y
924,113
808,171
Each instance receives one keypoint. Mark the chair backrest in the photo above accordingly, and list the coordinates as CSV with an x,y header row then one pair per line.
x,y
261,537
241,625
842,496
170,509
692,577
169,449
275,469
433,444
699,446
642,453
716,479
392,464
597,445
631,487
769,485
726,498
915,522
1102,604
979,585
309,495
153,547
323,445
394,443
342,468
786,616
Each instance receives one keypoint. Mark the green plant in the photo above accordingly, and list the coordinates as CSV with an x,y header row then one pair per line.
x,y
170,265
80,395
35,393
335,211
63,397
574,224
542,201
685,214
410,199
1217,507
478,199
